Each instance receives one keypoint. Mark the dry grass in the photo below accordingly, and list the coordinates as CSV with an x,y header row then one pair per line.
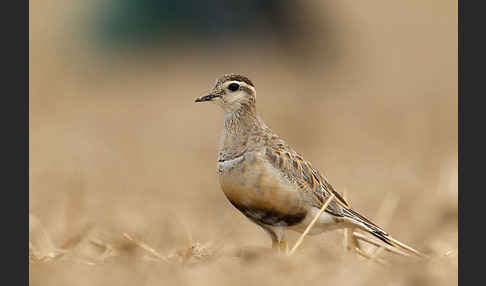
x,y
123,189
195,255
309,227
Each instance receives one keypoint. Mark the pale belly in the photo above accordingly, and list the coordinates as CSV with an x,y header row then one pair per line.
x,y
260,192
325,222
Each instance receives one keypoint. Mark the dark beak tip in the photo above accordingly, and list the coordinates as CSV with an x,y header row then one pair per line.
x,y
205,98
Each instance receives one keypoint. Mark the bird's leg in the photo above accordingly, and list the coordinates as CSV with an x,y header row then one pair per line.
x,y
284,247
275,244
280,246
277,234
279,241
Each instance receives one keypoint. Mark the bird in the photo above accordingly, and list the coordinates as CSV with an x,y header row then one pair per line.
x,y
270,183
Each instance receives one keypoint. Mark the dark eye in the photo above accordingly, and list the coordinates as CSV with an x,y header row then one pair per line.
x,y
233,87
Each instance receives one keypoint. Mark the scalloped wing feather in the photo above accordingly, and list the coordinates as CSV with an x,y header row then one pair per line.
x,y
301,173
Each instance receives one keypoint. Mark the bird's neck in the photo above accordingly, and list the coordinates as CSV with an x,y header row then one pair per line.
x,y
239,128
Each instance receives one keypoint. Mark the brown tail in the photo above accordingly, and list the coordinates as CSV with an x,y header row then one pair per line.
x,y
378,232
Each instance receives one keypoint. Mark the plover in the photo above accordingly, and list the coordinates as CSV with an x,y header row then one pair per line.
x,y
269,182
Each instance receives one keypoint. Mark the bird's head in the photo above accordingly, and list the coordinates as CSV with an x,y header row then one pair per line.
x,y
232,92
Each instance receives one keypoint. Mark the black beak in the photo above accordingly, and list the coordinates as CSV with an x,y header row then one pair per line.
x,y
206,98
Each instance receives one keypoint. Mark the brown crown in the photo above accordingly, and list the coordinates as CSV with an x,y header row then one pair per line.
x,y
229,77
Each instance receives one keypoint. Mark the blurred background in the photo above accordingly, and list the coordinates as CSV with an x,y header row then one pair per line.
x,y
120,153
